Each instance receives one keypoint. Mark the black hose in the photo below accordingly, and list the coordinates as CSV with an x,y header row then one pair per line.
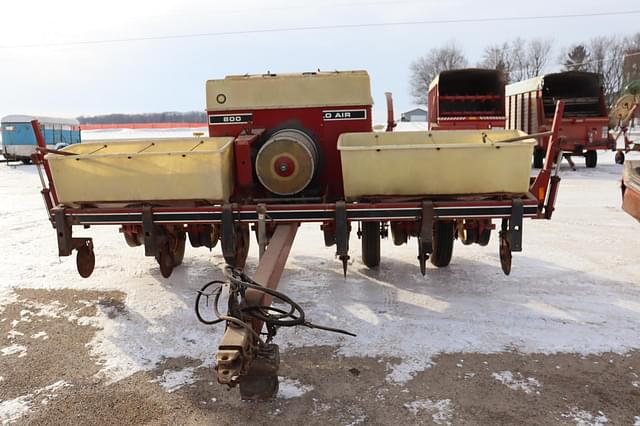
x,y
216,293
271,316
295,316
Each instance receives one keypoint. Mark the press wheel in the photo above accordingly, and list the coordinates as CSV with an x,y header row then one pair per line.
x,y
241,241
467,235
398,233
371,244
443,233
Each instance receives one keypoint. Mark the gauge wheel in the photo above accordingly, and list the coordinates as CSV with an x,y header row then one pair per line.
x,y
467,236
178,248
329,236
485,237
131,239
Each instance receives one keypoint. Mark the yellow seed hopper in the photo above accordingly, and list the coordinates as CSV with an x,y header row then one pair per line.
x,y
435,163
144,170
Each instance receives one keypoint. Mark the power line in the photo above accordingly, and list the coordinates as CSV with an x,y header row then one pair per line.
x,y
321,27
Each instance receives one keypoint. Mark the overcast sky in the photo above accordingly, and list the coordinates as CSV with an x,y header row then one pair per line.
x,y
169,75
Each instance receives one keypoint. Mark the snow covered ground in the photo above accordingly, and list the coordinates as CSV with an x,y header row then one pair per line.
x,y
574,288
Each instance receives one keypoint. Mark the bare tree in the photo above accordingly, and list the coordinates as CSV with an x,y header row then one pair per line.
x,y
631,63
498,56
633,43
607,58
538,54
530,58
426,68
518,52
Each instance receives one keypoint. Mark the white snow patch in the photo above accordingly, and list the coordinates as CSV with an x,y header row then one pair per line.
x,y
172,380
362,312
551,311
441,411
292,388
636,421
48,310
13,334
405,370
357,421
40,334
14,349
54,387
517,381
585,418
131,342
11,410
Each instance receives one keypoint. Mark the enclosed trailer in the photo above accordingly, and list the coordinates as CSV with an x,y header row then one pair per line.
x,y
19,141
466,99
530,107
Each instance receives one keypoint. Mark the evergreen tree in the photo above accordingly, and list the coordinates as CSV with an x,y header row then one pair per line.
x,y
577,58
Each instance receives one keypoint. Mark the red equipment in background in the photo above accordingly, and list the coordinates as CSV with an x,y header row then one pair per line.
x,y
584,129
631,188
467,99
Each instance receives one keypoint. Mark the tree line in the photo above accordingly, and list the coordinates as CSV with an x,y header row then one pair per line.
x,y
152,117
520,59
